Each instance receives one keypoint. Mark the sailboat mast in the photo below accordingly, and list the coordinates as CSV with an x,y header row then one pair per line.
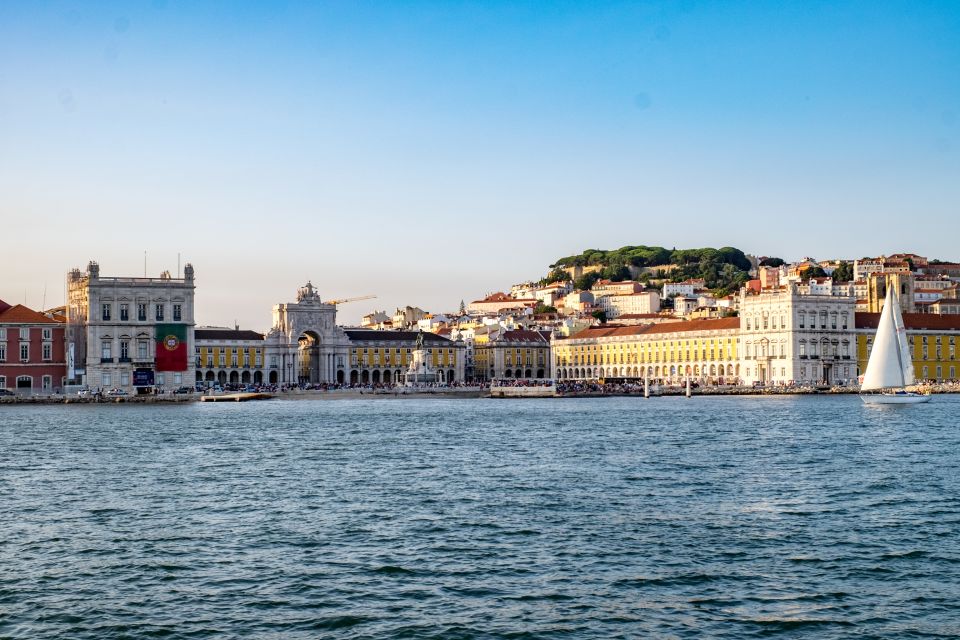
x,y
892,299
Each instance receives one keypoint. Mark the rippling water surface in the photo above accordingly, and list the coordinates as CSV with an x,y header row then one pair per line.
x,y
594,518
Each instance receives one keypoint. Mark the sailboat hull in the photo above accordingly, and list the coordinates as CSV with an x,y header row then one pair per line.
x,y
894,398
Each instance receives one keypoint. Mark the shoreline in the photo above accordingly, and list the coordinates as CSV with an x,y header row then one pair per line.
x,y
465,393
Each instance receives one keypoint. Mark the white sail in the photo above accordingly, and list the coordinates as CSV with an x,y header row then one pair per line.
x,y
886,367
906,357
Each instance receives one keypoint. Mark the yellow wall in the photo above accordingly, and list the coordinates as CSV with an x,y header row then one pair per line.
x,y
931,362
644,349
210,356
377,356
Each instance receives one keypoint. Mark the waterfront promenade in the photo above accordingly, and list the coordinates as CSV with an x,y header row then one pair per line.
x,y
578,390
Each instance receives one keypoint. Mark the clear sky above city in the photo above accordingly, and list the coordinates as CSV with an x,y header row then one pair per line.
x,y
429,152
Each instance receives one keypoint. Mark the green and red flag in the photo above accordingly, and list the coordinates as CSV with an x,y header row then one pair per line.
x,y
171,347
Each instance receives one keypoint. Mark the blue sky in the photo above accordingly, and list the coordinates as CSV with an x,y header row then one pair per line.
x,y
428,152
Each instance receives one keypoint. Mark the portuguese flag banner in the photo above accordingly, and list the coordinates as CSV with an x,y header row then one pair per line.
x,y
171,347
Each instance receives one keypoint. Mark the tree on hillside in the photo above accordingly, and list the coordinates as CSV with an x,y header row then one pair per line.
x,y
600,315
586,282
556,275
843,273
813,272
772,262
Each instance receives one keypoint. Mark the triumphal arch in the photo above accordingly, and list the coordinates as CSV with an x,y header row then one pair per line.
x,y
311,347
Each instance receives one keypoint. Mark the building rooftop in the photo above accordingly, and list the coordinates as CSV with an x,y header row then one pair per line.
x,y
19,314
708,324
914,321
373,335
222,333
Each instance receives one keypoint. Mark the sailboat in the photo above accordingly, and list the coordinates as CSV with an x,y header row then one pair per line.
x,y
890,367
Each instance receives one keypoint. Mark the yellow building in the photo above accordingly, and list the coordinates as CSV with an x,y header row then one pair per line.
x,y
382,357
706,350
934,341
517,353
229,356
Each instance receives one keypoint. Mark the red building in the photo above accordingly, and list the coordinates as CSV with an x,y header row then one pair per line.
x,y
32,358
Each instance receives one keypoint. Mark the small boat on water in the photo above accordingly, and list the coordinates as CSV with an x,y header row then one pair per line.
x,y
890,367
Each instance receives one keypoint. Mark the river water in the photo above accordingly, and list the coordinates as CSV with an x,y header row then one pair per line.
x,y
583,518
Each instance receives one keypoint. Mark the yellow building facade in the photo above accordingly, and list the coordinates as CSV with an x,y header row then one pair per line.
x,y
706,350
229,356
511,354
382,357
934,342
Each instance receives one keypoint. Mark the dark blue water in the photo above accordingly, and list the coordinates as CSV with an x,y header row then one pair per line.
x,y
600,518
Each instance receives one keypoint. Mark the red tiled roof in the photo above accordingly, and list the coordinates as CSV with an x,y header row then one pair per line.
x,y
19,314
915,321
707,324
525,335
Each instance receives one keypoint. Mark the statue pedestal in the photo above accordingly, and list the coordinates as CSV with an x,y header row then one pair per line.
x,y
420,372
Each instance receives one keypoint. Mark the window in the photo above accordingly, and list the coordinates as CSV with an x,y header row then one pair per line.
x,y
124,312
124,379
124,350
3,353
3,335
177,378
223,359
802,319
3,382
47,351
142,349
159,312
246,358
24,352
48,334
141,312
24,333
106,380
106,350
160,378
823,319
105,311
233,358
177,312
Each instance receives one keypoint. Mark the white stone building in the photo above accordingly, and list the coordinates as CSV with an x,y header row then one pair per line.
x,y
112,329
629,304
789,336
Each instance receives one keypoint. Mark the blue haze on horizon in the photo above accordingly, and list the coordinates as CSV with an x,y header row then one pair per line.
x,y
433,151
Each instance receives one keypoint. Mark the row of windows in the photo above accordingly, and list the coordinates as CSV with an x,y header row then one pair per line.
x,y
208,361
46,332
25,352
758,322
26,382
106,312
106,349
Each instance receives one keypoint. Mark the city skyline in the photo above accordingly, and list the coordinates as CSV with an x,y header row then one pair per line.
x,y
434,152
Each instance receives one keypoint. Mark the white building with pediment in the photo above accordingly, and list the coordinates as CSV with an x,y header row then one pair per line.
x,y
112,324
792,336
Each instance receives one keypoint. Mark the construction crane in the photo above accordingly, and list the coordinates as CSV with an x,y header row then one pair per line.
x,y
342,300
